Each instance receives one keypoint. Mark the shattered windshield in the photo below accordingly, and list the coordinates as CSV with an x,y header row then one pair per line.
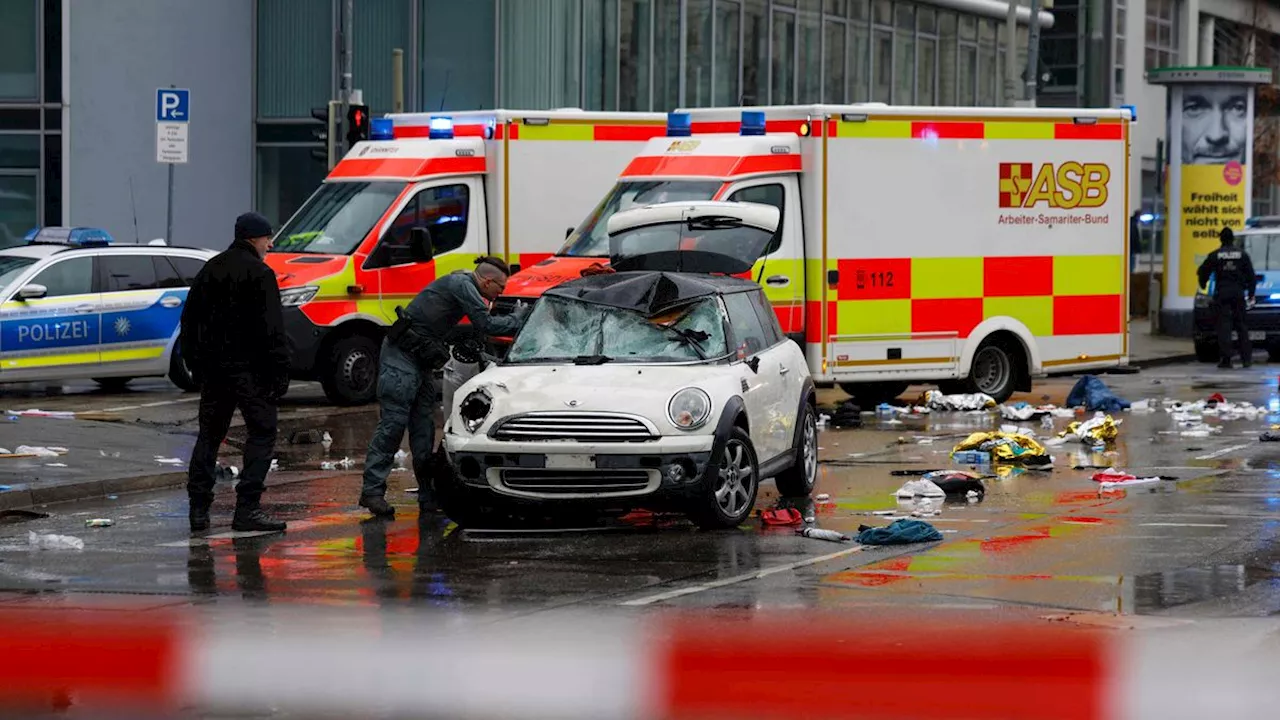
x,y
591,239
337,218
569,331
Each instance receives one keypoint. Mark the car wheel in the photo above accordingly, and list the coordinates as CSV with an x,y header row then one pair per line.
x,y
351,377
869,395
730,491
799,479
994,370
179,373
1207,351
113,384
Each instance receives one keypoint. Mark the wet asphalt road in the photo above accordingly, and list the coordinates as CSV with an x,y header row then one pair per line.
x,y
1038,544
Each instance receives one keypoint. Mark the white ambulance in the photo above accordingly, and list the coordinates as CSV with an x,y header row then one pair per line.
x,y
505,183
971,247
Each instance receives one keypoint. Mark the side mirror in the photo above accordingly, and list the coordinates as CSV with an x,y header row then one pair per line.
x,y
515,268
754,364
420,248
567,233
32,292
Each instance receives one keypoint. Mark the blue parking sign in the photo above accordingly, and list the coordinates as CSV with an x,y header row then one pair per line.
x,y
173,105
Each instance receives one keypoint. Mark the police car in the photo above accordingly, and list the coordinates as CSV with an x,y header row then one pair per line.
x,y
74,305
1260,237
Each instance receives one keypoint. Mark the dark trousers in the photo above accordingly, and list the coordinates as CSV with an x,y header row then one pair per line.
x,y
1230,316
406,401
219,399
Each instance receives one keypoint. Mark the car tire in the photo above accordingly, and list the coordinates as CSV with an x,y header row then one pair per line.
x,y
799,479
113,384
179,374
736,476
1207,351
869,395
994,370
351,374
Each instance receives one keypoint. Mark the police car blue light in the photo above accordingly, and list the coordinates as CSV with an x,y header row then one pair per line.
x,y
440,127
79,236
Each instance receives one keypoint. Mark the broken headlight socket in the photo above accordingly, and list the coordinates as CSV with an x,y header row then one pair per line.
x,y
474,409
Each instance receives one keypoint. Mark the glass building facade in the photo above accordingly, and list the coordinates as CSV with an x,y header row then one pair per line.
x,y
607,55
30,116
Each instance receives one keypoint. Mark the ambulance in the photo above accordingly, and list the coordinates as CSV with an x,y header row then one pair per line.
x,y
974,248
505,183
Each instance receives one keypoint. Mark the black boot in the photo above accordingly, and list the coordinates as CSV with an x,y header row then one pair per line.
x,y
1225,364
250,517
377,505
198,514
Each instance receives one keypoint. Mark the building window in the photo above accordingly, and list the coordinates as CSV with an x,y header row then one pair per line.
x,y
967,86
455,63
833,62
755,52
859,51
809,53
926,56
728,56
666,60
988,70
541,63
295,57
697,78
1162,34
904,52
287,175
948,65
783,59
18,208
882,52
18,62
1118,30
635,37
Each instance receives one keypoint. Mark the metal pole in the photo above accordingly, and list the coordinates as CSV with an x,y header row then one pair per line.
x,y
1097,54
168,214
397,80
1011,55
348,45
1033,53
1153,287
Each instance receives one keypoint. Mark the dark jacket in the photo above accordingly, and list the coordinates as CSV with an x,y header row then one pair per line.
x,y
438,309
1232,270
232,323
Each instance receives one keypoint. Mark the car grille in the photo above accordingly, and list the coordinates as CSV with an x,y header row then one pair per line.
x,y
564,482
574,426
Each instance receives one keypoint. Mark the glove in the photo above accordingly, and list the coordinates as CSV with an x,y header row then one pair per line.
x,y
522,310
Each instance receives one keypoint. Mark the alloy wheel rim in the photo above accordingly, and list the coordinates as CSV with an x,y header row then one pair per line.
x,y
732,486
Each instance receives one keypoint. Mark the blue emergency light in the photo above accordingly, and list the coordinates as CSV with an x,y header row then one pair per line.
x,y
1145,218
679,125
1133,111
80,236
382,129
440,127
752,122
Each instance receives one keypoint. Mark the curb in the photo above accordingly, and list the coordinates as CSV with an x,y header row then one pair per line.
x,y
92,490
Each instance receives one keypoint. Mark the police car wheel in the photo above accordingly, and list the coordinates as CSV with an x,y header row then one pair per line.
x,y
352,374
113,384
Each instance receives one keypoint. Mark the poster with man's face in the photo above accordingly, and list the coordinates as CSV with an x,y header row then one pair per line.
x,y
1215,124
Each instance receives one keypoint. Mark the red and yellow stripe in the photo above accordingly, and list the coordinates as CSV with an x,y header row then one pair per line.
x,y
902,128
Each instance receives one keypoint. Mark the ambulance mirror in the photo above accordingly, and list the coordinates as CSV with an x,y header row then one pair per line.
x,y
567,233
420,245
32,292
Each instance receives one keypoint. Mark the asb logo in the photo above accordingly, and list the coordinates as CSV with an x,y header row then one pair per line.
x,y
1066,186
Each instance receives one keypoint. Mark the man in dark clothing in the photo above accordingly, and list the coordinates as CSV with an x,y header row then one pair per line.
x,y
1234,283
415,347
233,342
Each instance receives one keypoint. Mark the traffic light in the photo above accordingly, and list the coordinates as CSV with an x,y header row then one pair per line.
x,y
327,114
357,124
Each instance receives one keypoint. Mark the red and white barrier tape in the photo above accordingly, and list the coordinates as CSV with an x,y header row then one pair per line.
x,y
775,666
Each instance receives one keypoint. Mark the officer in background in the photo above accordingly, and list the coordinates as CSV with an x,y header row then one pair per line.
x,y
233,341
1234,283
416,346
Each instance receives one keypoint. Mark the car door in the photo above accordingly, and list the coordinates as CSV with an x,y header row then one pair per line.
x,y
57,334
791,367
138,316
445,210
762,389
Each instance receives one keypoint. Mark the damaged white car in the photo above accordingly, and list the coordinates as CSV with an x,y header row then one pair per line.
x,y
665,384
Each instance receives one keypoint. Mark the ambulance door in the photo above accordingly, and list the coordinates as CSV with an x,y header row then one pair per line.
x,y
56,332
453,211
781,269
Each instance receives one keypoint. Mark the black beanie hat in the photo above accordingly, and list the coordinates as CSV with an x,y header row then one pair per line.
x,y
252,225
1226,235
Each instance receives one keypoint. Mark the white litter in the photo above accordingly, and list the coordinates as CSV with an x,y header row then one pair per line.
x,y
104,453
275,465
38,451
921,488
972,496
822,497
55,464
925,507
168,461
936,400
5,451
60,414
327,440
54,542
345,463
401,457
1111,485
1141,406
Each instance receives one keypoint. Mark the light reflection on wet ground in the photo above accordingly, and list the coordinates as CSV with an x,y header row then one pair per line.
x,y
1036,542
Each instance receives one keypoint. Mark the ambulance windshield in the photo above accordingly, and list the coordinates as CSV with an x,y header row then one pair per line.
x,y
591,239
337,218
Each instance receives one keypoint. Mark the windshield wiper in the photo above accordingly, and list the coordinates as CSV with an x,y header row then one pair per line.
x,y
692,338
592,359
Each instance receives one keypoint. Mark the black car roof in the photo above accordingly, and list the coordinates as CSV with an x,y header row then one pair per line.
x,y
649,292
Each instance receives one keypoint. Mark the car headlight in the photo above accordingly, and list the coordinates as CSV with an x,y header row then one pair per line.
x,y
294,297
689,409
474,409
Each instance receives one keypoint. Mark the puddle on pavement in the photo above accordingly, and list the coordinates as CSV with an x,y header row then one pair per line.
x,y
1163,590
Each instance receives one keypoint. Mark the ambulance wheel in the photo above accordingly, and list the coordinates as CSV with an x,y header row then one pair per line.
x,y
351,375
869,395
179,374
1208,351
113,384
995,370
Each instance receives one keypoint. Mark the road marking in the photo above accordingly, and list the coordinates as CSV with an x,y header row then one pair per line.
x,y
1223,451
1169,524
161,403
670,594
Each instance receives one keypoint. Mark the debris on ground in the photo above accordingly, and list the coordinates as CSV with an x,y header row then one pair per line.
x,y
1093,395
957,482
21,515
781,516
104,453
822,534
899,532
1005,447
54,542
59,414
822,497
847,415
919,488
936,400
1096,431
99,523
1141,406
36,451
921,507
1269,436
1112,478
1023,411
345,463
326,440
225,473
308,437
275,465
168,461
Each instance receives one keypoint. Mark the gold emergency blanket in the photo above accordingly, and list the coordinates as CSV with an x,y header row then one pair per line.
x,y
1006,447
1094,431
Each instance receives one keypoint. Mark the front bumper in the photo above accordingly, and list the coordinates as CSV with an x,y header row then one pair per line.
x,y
570,471
1263,322
305,339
